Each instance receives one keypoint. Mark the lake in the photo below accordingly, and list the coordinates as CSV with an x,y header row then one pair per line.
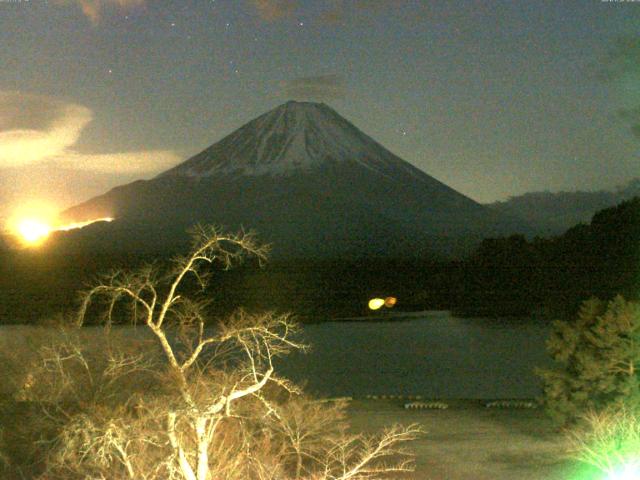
x,y
436,356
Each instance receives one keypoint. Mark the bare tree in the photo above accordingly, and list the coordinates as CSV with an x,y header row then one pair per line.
x,y
207,402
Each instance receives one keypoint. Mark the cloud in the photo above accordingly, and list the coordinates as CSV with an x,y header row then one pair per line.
x,y
93,9
321,87
271,10
40,129
136,162
35,127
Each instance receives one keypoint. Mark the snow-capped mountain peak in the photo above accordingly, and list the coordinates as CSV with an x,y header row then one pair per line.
x,y
309,181
292,137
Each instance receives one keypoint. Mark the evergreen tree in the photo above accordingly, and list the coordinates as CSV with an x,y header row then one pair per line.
x,y
596,360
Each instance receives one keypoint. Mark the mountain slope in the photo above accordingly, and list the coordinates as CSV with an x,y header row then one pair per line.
x,y
309,182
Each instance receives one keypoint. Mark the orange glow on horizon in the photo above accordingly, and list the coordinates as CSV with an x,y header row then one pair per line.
x,y
73,226
33,230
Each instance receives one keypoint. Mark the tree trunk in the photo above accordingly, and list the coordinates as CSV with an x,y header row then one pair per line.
x,y
203,447
185,467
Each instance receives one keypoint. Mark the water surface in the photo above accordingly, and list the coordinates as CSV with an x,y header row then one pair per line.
x,y
437,356
434,355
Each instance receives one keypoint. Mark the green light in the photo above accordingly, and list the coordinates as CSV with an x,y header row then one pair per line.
x,y
629,471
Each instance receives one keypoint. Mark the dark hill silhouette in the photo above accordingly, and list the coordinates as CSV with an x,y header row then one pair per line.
x,y
512,275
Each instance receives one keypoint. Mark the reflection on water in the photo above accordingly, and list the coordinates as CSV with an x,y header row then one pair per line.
x,y
437,356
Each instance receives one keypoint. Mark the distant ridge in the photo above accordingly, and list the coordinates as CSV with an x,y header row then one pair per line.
x,y
552,213
309,182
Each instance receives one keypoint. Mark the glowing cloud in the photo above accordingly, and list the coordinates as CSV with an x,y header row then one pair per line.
x,y
37,129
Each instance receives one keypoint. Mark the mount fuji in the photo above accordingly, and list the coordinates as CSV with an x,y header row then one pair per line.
x,y
308,181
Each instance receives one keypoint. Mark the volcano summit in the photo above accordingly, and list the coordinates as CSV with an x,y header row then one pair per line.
x,y
309,182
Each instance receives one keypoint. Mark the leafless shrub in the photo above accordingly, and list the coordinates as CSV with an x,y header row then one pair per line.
x,y
198,403
608,440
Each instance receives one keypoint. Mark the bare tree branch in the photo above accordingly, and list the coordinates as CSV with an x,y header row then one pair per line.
x,y
206,402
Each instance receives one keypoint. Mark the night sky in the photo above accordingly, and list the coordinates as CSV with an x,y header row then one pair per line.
x,y
493,98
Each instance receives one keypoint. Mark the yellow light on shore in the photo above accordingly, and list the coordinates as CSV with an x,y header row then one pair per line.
x,y
376,303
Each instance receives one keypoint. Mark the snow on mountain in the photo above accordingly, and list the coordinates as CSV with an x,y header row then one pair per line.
x,y
309,182
292,138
